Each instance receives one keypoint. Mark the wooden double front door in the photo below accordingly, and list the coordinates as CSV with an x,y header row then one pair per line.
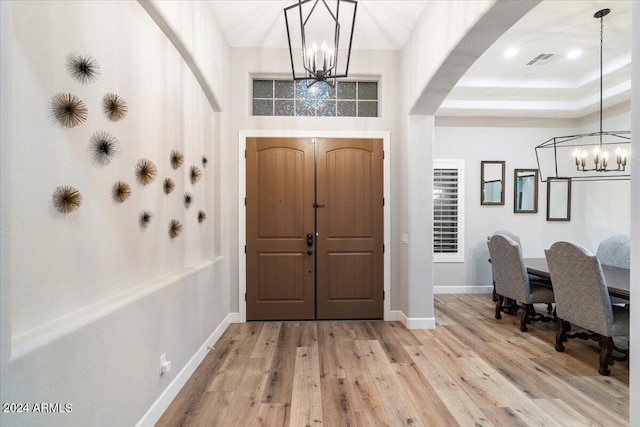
x,y
314,228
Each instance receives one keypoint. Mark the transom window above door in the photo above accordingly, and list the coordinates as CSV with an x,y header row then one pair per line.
x,y
294,98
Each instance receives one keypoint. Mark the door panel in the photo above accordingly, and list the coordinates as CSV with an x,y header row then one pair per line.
x,y
347,227
280,196
350,229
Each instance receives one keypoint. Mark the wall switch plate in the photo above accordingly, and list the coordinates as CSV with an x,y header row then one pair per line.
x,y
405,239
165,365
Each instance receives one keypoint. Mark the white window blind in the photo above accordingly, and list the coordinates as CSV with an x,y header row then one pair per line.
x,y
448,218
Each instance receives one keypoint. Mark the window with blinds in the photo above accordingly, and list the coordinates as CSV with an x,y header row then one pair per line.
x,y
448,220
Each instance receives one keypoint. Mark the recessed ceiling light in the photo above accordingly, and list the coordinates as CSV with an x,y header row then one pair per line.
x,y
574,53
512,51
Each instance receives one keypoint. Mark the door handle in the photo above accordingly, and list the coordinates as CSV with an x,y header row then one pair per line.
x,y
310,239
309,253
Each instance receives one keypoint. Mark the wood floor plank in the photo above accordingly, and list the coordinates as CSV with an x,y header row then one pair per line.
x,y
266,343
247,398
387,339
280,381
273,414
510,394
306,400
562,413
395,399
404,335
212,410
330,359
503,416
425,399
337,402
474,387
461,406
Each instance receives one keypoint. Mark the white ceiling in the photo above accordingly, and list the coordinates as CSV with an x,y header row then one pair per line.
x,y
495,85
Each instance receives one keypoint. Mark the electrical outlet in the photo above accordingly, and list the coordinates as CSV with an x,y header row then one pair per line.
x,y
405,239
165,365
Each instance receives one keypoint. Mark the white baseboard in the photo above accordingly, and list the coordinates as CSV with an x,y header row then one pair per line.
x,y
234,317
412,322
480,289
151,417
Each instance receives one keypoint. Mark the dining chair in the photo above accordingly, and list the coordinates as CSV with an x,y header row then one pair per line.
x,y
582,299
512,281
615,251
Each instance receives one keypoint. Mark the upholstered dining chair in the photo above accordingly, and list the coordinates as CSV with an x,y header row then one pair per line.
x,y
511,278
615,251
582,298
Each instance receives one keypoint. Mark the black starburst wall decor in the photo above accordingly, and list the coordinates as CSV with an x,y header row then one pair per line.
x,y
168,185
146,171
114,107
195,174
103,148
145,218
176,159
204,161
121,191
175,228
188,199
83,68
66,199
201,216
68,110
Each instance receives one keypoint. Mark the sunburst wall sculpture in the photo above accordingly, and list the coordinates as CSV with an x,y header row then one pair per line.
x,y
188,199
121,191
195,174
145,218
168,185
114,107
176,159
146,171
103,148
175,228
83,68
68,110
66,199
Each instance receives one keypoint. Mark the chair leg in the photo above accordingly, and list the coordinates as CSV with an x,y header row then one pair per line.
x,y
549,308
606,347
499,306
495,295
561,334
526,311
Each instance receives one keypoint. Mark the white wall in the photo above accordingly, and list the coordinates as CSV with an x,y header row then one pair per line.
x,y
634,344
598,209
94,299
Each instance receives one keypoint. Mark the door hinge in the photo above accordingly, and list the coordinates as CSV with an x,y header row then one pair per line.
x,y
383,295
245,296
383,154
382,201
245,249
382,248
245,201
245,154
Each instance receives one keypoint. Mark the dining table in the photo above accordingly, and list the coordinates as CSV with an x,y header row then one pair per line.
x,y
618,279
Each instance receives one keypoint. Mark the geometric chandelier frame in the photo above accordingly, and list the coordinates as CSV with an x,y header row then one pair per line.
x,y
596,156
320,31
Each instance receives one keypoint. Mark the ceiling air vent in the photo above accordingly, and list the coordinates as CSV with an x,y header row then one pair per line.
x,y
542,59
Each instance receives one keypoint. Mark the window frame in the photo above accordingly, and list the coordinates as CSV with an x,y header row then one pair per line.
x,y
457,164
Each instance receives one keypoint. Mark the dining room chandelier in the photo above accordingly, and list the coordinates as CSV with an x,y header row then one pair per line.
x,y
594,156
320,35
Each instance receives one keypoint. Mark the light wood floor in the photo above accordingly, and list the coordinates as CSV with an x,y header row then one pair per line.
x,y
472,370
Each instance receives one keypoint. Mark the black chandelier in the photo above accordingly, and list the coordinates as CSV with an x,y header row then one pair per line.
x,y
320,29
588,156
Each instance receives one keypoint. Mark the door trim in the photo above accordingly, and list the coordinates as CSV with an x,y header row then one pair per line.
x,y
242,192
